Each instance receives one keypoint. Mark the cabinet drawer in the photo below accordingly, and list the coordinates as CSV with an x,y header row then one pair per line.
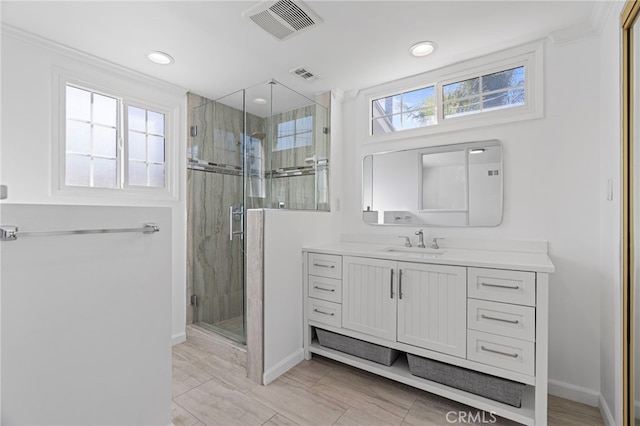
x,y
504,319
325,288
503,352
325,265
502,286
325,312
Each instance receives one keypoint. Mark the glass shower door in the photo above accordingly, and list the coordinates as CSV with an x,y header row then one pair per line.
x,y
217,215
262,147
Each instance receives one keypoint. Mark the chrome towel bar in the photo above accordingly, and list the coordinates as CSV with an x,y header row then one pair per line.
x,y
10,233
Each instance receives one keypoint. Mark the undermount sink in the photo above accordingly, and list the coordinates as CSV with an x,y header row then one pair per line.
x,y
415,251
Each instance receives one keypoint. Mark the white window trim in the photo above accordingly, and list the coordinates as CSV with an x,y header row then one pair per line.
x,y
126,103
117,87
529,55
63,123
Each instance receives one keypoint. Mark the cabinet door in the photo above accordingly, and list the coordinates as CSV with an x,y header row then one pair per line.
x,y
369,296
432,307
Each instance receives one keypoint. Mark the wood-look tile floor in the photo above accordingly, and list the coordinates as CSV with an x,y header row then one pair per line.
x,y
210,390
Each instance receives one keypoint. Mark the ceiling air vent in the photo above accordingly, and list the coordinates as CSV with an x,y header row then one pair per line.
x,y
282,19
304,74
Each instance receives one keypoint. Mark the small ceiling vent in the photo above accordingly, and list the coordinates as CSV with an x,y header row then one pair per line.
x,y
282,19
304,74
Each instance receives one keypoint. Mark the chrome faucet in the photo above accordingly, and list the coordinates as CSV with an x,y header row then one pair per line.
x,y
420,235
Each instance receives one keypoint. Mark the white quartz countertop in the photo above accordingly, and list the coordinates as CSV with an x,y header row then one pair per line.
x,y
507,259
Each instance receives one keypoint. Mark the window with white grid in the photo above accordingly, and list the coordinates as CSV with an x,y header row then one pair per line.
x,y
109,142
503,87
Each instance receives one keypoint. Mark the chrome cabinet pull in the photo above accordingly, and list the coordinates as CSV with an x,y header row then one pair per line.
x,y
499,352
324,313
324,289
391,284
319,265
511,287
499,319
400,284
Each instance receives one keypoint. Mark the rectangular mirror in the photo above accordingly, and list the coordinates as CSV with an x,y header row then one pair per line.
x,y
452,185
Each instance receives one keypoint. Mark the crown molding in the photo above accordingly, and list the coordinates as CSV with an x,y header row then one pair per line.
x,y
74,54
599,16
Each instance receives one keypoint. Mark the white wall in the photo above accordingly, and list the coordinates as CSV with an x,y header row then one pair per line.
x,y
285,233
552,191
86,318
28,123
609,52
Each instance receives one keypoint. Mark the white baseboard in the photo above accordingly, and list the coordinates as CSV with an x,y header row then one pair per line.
x,y
178,338
605,412
283,366
574,393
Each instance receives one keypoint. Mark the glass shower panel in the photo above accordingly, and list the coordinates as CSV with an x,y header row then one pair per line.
x,y
257,107
322,154
218,216
296,130
262,147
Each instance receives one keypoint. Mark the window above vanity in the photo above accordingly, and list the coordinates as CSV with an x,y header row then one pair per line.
x,y
502,87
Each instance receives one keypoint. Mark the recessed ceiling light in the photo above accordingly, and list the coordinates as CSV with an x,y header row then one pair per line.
x,y
160,58
422,48
260,101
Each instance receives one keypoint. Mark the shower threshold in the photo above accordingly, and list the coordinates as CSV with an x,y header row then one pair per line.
x,y
232,328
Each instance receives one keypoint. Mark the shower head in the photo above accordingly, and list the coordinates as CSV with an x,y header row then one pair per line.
x,y
258,135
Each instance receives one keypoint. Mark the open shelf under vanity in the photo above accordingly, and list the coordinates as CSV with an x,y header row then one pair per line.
x,y
399,372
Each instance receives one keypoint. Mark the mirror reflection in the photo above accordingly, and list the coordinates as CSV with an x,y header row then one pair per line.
x,y
444,182
453,185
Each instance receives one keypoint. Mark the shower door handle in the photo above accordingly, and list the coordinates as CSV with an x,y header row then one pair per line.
x,y
231,231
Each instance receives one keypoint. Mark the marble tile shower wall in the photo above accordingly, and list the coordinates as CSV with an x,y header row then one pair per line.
x,y
220,133
290,157
217,261
297,192
193,102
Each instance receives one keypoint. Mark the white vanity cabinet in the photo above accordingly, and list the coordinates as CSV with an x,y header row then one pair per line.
x,y
324,289
489,316
369,296
432,304
501,318
418,304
